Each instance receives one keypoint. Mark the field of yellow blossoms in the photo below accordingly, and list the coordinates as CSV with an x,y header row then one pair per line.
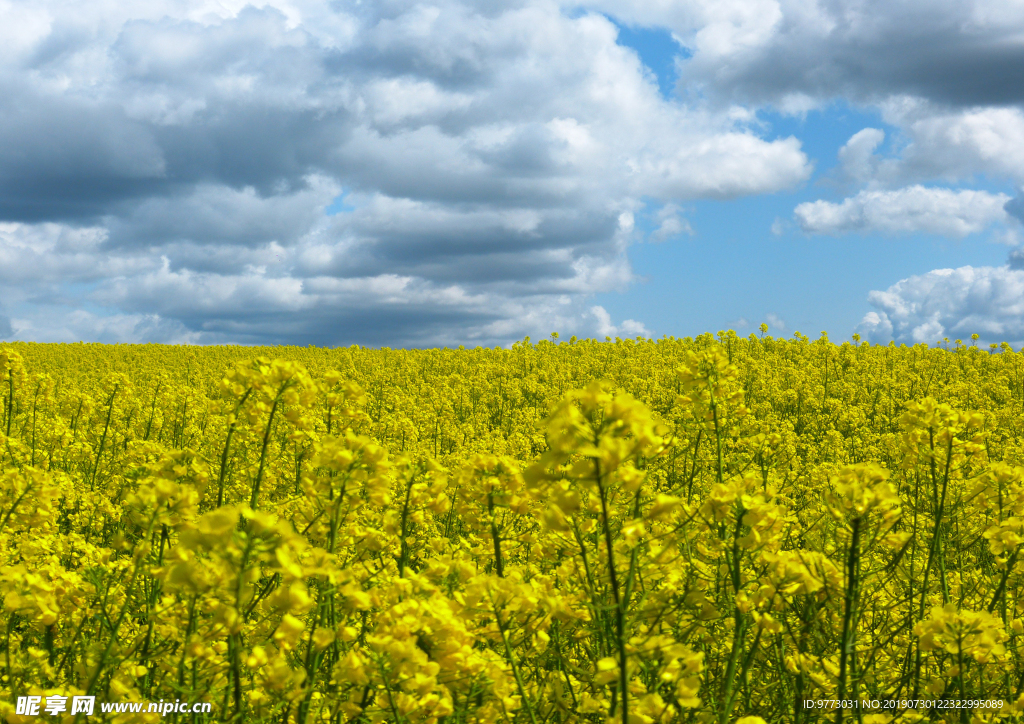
x,y
719,529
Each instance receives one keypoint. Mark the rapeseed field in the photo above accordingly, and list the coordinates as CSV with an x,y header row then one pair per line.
x,y
718,530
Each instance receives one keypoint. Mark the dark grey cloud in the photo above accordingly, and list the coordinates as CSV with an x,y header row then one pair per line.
x,y
220,217
910,56
952,52
69,160
327,326
391,311
476,234
239,103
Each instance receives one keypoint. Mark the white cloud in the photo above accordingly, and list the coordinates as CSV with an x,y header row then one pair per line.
x,y
954,303
81,325
932,142
857,156
51,253
775,322
953,145
907,210
628,328
671,224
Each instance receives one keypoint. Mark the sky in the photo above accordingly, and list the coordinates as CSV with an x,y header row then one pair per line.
x,y
471,172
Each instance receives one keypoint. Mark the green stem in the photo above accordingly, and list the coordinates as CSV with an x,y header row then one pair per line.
x,y
103,440
227,447
620,614
263,452
503,628
849,604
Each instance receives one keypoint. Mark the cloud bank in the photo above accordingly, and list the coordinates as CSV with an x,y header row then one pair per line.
x,y
376,173
459,172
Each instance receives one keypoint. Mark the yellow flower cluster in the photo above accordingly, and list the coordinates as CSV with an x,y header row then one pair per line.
x,y
682,530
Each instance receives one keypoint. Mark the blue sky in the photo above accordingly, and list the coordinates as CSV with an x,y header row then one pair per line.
x,y
454,172
733,271
812,284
